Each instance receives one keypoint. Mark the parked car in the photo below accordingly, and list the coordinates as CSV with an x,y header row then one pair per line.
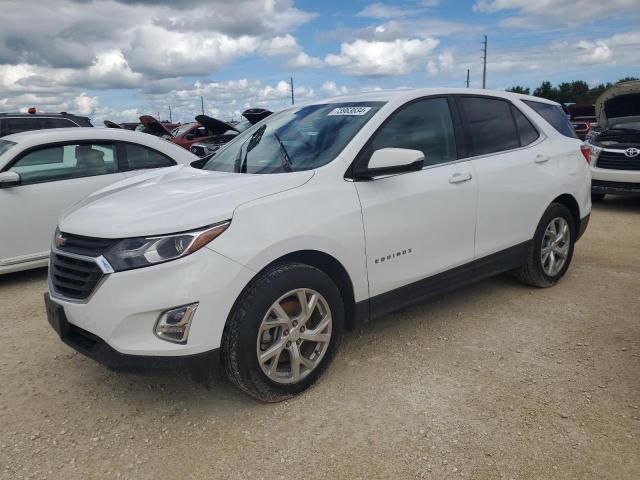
x,y
208,147
44,172
317,219
22,122
583,119
615,148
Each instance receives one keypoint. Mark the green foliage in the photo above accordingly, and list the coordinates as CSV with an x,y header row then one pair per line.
x,y
519,89
577,91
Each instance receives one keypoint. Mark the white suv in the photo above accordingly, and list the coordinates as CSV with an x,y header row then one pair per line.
x,y
317,219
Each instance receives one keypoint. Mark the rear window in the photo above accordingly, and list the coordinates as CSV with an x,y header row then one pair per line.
x,y
489,124
5,145
555,116
20,124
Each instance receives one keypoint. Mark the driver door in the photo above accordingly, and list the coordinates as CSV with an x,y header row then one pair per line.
x,y
422,223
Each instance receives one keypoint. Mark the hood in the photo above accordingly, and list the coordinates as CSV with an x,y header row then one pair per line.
x,y
254,115
178,199
110,124
619,104
154,127
217,127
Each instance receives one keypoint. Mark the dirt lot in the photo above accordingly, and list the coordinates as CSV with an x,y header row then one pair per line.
x,y
494,381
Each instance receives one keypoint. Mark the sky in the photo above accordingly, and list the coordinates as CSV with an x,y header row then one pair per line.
x,y
119,59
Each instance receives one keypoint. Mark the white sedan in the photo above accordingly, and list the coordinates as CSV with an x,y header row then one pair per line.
x,y
46,171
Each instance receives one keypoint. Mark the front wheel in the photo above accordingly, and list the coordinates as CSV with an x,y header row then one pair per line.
x,y
283,331
551,250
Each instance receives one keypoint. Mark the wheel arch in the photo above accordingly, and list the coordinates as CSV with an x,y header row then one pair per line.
x,y
571,203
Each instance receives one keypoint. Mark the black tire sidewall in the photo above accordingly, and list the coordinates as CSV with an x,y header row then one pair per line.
x,y
554,211
280,281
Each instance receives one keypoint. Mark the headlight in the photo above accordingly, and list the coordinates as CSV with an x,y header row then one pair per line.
x,y
144,251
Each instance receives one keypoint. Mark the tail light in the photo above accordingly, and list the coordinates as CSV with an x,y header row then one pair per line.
x,y
586,152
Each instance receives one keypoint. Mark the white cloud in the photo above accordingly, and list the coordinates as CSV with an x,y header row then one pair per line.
x,y
331,89
283,45
375,58
304,60
561,11
381,10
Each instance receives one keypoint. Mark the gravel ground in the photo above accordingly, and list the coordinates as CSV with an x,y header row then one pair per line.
x,y
496,380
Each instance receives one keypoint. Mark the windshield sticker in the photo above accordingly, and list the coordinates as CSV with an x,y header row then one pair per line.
x,y
349,111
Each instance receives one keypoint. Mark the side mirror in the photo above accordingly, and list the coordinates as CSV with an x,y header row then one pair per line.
x,y
390,161
9,179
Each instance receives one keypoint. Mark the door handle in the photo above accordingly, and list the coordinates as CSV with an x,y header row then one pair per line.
x,y
542,158
460,177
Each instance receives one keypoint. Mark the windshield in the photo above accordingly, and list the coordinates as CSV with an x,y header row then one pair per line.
x,y
297,139
5,145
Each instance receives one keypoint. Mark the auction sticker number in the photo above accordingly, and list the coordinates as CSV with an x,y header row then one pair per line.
x,y
349,111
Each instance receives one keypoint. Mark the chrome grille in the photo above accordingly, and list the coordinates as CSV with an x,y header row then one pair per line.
x,y
614,160
72,277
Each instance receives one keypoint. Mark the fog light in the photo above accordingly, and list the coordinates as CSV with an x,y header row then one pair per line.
x,y
173,325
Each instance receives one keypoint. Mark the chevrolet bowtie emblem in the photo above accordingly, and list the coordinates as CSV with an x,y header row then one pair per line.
x,y
60,240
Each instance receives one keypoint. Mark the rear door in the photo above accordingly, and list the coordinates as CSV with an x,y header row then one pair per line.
x,y
516,169
420,223
53,177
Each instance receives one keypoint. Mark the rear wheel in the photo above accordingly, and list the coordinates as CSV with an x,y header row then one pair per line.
x,y
551,251
283,332
597,197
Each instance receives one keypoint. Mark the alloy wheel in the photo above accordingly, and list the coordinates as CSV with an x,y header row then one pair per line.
x,y
294,336
555,246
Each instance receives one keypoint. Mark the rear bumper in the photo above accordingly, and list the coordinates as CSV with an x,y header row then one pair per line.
x,y
615,188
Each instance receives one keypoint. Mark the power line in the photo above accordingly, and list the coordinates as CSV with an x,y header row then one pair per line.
x,y
484,63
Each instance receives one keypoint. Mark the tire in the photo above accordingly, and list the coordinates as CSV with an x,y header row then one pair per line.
x,y
535,271
249,330
597,197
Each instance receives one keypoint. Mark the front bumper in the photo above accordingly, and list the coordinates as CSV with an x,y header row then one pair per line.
x,y
615,188
116,324
97,349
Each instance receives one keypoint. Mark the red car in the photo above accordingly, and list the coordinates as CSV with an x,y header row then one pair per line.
x,y
583,118
185,135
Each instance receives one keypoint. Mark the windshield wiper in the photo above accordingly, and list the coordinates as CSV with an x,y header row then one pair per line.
x,y
286,159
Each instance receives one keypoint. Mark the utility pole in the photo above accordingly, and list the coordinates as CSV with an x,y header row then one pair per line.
x,y
170,117
292,99
484,63
467,78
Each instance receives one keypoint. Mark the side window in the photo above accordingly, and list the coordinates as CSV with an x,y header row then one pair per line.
x,y
56,123
63,162
424,125
139,157
489,125
554,115
527,132
21,124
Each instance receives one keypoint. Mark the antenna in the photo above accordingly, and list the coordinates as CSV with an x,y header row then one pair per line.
x,y
170,117
467,82
202,103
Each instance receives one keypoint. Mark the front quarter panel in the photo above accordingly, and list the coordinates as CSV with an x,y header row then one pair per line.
x,y
323,215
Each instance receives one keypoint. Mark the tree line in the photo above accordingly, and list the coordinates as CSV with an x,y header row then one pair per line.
x,y
577,91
